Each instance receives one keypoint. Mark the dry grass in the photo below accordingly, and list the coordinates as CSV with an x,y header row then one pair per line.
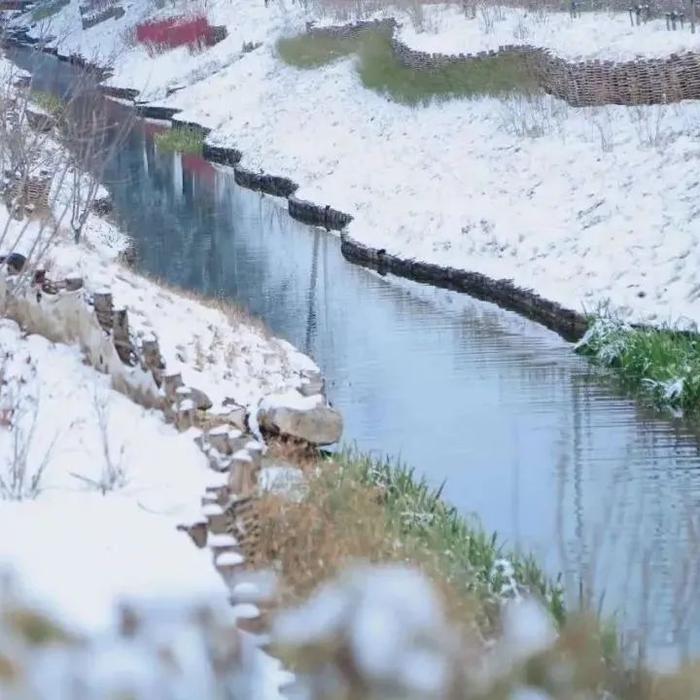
x,y
343,519
34,627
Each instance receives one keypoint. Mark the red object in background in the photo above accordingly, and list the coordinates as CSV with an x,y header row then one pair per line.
x,y
174,32
197,165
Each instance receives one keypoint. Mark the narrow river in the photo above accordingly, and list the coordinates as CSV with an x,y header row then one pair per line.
x,y
544,449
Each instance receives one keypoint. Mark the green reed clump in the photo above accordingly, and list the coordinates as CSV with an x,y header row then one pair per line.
x,y
468,557
662,363
48,102
181,140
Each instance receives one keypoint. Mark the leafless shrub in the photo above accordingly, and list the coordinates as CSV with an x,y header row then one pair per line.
x,y
19,409
128,37
600,120
648,122
350,10
532,115
521,31
51,174
90,139
487,18
113,474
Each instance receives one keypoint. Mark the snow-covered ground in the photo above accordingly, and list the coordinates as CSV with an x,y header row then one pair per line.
x,y
607,36
82,549
585,206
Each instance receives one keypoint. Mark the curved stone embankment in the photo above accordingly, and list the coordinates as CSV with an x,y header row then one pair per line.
x,y
570,324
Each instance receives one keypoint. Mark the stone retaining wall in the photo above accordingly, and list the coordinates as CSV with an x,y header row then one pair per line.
x,y
269,184
221,154
315,215
567,323
64,311
202,131
119,93
89,21
148,111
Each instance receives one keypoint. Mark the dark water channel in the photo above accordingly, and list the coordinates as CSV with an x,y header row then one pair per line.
x,y
527,435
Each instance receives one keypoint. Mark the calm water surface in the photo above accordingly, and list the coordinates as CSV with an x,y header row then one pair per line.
x,y
524,433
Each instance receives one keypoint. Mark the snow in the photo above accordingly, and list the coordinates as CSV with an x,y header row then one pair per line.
x,y
229,559
76,550
245,590
603,35
217,349
110,42
388,620
136,660
584,206
283,480
527,628
290,399
529,694
212,509
221,541
247,611
600,207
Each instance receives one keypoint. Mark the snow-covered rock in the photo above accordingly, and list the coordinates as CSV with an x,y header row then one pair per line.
x,y
303,418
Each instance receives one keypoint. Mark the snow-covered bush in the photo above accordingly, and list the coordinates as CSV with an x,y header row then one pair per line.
x,y
383,632
381,629
165,649
662,362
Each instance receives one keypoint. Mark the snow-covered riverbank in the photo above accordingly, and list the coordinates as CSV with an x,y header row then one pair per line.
x,y
97,486
585,206
114,480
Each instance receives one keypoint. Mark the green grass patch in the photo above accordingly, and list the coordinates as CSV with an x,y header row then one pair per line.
x,y
662,363
309,51
181,140
467,557
49,103
48,9
380,70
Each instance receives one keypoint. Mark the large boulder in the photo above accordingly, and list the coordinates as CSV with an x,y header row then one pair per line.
x,y
302,418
